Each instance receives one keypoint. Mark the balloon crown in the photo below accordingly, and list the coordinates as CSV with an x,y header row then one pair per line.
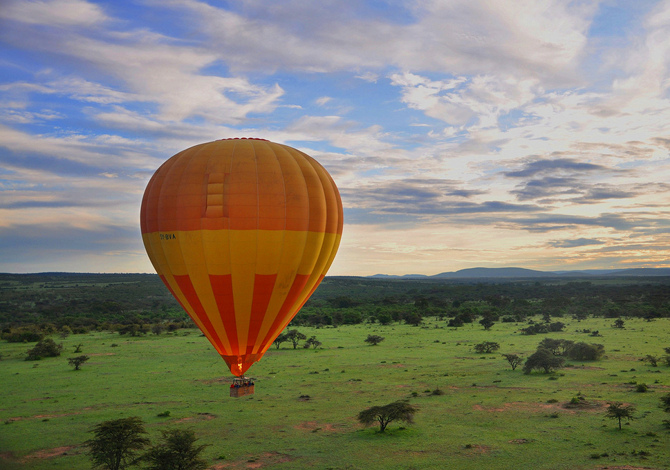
x,y
244,138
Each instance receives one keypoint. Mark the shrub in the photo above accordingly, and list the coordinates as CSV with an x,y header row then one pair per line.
x,y
45,348
585,352
542,359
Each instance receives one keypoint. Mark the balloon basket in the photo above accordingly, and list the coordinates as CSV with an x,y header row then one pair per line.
x,y
241,386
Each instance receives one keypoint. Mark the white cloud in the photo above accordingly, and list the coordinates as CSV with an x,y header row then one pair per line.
x,y
61,13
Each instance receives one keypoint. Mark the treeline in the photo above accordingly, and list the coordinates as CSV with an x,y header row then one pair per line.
x,y
95,301
356,300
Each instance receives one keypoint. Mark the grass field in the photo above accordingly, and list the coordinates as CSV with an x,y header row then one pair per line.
x,y
303,414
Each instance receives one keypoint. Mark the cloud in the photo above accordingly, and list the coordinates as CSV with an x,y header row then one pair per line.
x,y
575,243
470,37
61,13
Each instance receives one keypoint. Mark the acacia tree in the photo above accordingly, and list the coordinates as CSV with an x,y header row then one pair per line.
x,y
400,410
176,451
374,340
294,336
279,340
116,443
619,411
313,342
77,361
486,347
513,359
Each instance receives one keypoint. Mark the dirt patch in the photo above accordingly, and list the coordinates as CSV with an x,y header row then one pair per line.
x,y
48,453
478,449
314,426
267,459
198,417
589,406
623,467
584,367
521,441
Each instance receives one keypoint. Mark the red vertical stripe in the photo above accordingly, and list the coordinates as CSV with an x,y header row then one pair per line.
x,y
186,287
222,285
293,294
263,286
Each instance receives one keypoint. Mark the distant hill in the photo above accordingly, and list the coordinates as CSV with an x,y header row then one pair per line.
x,y
521,273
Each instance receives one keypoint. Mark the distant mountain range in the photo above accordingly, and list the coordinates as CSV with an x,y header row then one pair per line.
x,y
492,273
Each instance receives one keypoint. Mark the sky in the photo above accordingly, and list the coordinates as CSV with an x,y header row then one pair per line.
x,y
461,133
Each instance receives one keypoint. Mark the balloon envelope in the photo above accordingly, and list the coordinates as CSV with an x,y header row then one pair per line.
x,y
241,231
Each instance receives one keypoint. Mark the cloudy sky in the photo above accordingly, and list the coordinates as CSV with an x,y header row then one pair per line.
x,y
461,133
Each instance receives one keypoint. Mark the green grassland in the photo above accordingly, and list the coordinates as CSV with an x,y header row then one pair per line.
x,y
303,414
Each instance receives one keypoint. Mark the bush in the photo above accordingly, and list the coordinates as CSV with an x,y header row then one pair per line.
x,y
585,352
23,335
177,451
542,359
45,348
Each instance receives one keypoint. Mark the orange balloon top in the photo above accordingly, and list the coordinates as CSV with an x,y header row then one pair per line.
x,y
241,231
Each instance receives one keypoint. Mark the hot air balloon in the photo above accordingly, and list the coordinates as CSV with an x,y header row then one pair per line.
x,y
241,231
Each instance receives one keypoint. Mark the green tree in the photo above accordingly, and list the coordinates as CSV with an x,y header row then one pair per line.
x,y
651,360
542,359
294,336
619,323
176,451
619,411
486,322
312,342
400,410
77,361
513,359
665,402
486,347
45,348
116,443
279,340
374,340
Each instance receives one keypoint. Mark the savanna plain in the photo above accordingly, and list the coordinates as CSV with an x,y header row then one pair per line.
x,y
474,411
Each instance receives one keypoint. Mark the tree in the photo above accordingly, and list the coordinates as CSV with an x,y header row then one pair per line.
x,y
665,402
542,359
45,348
116,443
651,360
77,348
294,336
176,451
413,319
77,361
486,347
279,340
157,328
486,322
313,342
513,359
384,319
558,347
618,323
397,411
374,340
619,411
